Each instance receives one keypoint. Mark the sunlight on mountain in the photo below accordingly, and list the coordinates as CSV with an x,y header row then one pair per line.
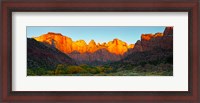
x,y
66,45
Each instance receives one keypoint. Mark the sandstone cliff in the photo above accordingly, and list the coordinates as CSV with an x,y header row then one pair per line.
x,y
66,45
86,53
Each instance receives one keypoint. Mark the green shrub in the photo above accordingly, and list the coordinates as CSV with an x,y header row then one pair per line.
x,y
75,69
30,72
40,71
60,69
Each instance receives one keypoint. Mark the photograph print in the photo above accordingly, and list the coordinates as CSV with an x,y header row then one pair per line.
x,y
99,50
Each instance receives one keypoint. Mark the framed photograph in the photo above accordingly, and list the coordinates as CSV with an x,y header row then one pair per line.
x,y
100,51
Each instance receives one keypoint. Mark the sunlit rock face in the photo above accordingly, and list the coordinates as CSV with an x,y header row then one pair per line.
x,y
66,45
86,53
117,47
146,37
92,47
62,43
131,46
79,46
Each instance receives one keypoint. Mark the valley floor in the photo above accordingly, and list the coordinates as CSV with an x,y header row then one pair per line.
x,y
85,70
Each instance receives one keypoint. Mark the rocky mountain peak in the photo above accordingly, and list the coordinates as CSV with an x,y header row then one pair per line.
x,y
115,41
155,41
80,42
146,37
168,31
66,45
52,33
92,42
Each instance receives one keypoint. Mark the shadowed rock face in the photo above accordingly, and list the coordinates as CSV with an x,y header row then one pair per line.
x,y
168,31
152,48
101,56
155,41
40,55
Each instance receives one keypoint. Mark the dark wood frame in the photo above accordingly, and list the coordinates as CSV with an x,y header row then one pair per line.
x,y
9,6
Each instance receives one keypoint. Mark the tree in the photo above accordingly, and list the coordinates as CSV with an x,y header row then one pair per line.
x,y
93,71
50,72
109,70
40,71
30,72
60,69
100,69
148,67
74,70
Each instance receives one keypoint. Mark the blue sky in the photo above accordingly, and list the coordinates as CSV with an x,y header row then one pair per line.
x,y
129,34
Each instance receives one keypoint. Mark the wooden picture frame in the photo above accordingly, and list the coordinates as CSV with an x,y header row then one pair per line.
x,y
9,6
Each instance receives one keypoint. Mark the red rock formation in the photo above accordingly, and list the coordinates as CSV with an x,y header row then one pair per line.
x,y
62,43
131,46
117,47
153,41
158,35
110,51
168,31
66,45
138,46
100,56
92,47
86,53
146,36
79,46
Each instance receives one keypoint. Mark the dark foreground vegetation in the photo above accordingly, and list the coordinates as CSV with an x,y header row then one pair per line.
x,y
85,70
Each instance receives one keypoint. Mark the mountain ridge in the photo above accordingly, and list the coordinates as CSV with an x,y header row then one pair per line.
x,y
110,51
40,55
67,45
